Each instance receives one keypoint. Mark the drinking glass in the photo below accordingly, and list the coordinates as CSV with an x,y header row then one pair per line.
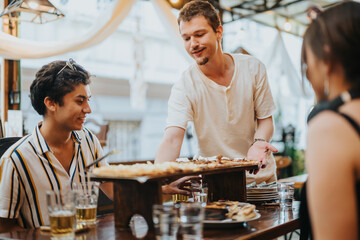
x,y
286,194
201,196
166,223
61,209
86,201
176,198
191,220
285,215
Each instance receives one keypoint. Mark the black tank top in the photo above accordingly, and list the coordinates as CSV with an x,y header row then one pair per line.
x,y
305,224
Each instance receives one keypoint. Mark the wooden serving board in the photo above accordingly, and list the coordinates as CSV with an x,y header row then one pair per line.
x,y
137,195
145,178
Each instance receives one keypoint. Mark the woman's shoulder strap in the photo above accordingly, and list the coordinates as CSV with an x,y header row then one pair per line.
x,y
352,122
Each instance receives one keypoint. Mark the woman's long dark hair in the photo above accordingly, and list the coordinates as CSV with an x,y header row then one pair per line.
x,y
334,37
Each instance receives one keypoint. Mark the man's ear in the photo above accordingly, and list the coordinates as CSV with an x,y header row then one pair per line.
x,y
50,104
219,32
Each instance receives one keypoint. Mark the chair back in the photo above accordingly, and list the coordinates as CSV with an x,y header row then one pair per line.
x,y
100,130
281,163
5,143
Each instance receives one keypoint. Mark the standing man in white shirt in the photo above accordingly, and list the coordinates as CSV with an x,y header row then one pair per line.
x,y
227,96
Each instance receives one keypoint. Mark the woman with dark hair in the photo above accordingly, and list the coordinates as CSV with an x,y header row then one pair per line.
x,y
331,59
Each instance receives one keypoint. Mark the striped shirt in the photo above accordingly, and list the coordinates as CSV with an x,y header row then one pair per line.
x,y
29,168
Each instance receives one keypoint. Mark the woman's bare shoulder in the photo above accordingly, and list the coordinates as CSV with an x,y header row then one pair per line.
x,y
331,138
331,122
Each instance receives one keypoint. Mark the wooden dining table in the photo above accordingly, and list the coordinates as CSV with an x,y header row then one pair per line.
x,y
274,222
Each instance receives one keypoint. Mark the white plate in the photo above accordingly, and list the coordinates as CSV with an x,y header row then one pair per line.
x,y
227,222
259,190
262,193
263,197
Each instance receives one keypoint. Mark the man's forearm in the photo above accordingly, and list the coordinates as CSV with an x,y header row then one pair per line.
x,y
170,146
167,152
265,129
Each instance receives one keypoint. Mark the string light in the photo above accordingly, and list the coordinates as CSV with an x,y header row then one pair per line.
x,y
174,1
178,4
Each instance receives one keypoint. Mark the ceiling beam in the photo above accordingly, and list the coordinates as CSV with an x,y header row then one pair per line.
x,y
274,7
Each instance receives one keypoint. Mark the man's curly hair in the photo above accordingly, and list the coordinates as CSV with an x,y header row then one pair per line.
x,y
50,83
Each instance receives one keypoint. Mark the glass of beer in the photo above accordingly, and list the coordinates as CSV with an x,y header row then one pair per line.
x,y
61,208
176,198
194,185
86,201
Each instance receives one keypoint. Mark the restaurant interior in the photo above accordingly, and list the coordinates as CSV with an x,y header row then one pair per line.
x,y
134,53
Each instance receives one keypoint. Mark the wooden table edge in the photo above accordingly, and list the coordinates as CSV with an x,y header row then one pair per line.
x,y
275,232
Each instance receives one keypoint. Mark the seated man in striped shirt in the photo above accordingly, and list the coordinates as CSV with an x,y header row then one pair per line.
x,y
54,156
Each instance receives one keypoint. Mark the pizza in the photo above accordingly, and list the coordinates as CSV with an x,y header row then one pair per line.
x,y
217,161
181,165
145,169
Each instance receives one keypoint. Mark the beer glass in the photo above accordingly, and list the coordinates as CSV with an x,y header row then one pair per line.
x,y
179,198
61,209
86,201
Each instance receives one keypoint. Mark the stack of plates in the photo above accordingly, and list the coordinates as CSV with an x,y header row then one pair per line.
x,y
262,194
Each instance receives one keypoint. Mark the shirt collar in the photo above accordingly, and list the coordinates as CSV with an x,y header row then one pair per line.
x,y
213,84
76,137
41,146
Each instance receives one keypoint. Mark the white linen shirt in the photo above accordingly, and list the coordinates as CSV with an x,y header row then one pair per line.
x,y
29,168
224,117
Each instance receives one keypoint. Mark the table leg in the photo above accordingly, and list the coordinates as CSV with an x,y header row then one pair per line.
x,y
132,197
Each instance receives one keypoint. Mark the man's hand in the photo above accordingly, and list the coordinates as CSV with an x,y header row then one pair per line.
x,y
178,186
259,152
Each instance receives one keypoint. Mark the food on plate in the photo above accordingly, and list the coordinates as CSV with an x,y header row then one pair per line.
x,y
216,210
234,210
242,213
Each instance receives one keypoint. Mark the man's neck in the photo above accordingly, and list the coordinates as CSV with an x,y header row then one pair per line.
x,y
53,135
59,141
219,69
